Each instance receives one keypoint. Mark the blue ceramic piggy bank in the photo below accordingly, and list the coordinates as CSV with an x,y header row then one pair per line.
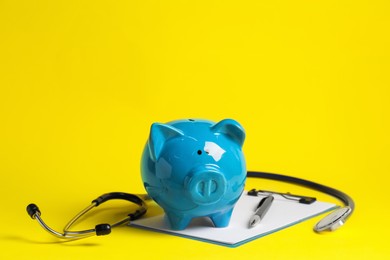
x,y
195,168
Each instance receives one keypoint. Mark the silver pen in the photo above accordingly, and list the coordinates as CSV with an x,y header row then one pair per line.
x,y
261,210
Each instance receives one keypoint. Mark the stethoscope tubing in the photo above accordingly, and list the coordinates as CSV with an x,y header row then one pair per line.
x,y
345,198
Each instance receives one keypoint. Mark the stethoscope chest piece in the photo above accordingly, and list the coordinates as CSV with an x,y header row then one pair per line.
x,y
334,220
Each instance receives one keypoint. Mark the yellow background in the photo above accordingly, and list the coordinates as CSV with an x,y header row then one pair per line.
x,y
81,82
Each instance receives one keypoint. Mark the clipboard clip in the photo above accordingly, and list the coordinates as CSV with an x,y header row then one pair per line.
x,y
288,196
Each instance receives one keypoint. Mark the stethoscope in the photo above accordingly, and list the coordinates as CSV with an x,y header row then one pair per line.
x,y
329,223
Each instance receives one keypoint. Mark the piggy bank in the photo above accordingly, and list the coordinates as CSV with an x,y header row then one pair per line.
x,y
195,168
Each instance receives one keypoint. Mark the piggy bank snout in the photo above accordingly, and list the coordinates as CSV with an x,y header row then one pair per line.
x,y
205,186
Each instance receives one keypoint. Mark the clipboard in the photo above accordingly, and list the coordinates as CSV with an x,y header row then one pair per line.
x,y
282,214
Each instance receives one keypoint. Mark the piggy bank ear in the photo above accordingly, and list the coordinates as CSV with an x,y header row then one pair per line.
x,y
232,129
159,134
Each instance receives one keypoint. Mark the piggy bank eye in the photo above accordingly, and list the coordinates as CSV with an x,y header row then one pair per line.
x,y
200,152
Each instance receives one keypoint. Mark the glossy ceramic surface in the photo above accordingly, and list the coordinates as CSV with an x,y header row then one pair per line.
x,y
195,168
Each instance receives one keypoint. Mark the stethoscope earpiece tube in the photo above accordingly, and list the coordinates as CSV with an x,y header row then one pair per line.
x,y
99,230
332,221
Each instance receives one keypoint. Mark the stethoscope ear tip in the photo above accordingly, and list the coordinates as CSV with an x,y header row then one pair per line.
x,y
103,229
33,210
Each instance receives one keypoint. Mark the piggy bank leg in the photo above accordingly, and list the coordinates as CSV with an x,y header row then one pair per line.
x,y
222,219
178,222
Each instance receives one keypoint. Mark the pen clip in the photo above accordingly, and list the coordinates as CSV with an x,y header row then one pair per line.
x,y
261,203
